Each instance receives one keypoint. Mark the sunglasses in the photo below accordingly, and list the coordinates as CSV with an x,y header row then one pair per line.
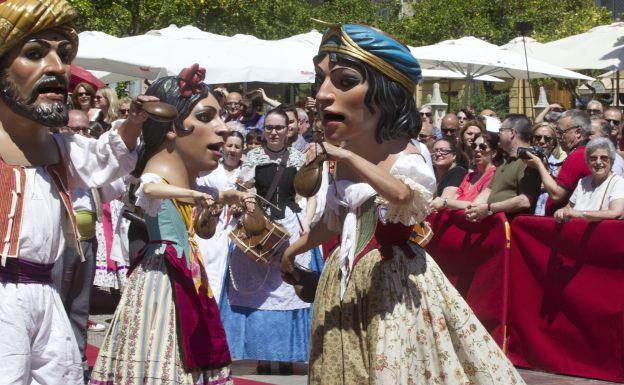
x,y
124,110
79,129
613,121
448,130
594,111
277,128
83,94
427,114
479,147
442,151
545,138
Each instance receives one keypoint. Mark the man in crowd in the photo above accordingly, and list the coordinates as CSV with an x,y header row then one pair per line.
x,y
303,121
233,106
613,116
594,109
427,135
450,126
488,112
514,187
573,130
602,129
38,41
294,139
249,114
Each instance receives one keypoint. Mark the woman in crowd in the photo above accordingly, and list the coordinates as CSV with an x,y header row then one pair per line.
x,y
486,156
463,116
600,195
106,100
448,172
384,312
467,135
123,108
83,97
544,136
152,337
263,317
215,250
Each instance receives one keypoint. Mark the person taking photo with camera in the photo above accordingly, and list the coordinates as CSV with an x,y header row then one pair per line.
x,y
573,130
515,187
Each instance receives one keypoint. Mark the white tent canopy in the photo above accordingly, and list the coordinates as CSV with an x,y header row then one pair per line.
x,y
599,48
239,58
473,57
537,50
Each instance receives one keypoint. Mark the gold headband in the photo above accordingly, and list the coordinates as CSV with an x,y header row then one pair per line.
x,y
349,47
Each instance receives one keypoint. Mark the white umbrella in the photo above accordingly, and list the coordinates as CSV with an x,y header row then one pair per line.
x,y
599,48
474,57
537,50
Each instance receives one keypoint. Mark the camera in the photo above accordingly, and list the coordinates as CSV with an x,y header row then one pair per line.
x,y
535,150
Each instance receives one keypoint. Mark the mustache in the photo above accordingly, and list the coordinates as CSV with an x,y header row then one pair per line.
x,y
48,82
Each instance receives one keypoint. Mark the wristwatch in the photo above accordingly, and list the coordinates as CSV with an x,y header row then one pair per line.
x,y
445,203
489,210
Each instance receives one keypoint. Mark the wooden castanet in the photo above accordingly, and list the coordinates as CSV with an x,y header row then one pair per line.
x,y
160,111
309,177
205,223
254,222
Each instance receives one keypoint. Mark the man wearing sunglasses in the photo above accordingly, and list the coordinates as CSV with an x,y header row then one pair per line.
x,y
426,114
450,126
594,109
613,116
573,130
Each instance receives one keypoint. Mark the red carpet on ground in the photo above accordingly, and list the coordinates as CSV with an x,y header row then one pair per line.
x,y
92,352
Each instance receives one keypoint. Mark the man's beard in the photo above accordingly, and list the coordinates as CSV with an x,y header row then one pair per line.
x,y
50,113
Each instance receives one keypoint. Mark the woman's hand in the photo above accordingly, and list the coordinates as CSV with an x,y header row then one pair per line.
x,y
476,212
333,152
566,213
436,204
287,267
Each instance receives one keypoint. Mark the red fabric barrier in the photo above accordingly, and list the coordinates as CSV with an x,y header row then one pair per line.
x,y
474,257
566,312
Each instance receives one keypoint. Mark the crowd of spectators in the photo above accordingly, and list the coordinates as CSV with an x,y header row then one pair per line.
x,y
566,164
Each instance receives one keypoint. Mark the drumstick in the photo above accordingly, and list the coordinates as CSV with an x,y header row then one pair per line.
x,y
259,197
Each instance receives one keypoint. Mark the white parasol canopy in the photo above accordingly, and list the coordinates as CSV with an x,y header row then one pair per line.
x,y
537,50
599,48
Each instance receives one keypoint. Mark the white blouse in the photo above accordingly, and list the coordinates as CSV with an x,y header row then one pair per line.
x,y
91,163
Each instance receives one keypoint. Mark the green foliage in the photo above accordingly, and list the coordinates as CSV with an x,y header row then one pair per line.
x,y
495,100
495,20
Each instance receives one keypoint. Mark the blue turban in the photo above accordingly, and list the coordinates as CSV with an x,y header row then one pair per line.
x,y
375,48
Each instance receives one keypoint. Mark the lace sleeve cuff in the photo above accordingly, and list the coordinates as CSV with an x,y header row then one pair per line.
x,y
412,212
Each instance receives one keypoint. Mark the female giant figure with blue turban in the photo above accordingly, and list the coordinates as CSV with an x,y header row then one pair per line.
x,y
384,312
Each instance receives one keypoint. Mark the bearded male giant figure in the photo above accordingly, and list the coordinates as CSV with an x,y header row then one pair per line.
x,y
38,169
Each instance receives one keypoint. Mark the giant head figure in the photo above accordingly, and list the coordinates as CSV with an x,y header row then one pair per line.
x,y
38,41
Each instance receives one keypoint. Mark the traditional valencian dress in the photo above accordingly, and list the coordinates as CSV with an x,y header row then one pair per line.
x,y
263,317
384,311
166,329
37,223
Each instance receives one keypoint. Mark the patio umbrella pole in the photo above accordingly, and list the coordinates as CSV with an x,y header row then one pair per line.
x,y
617,89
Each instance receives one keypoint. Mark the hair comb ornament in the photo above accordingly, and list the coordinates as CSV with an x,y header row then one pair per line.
x,y
189,80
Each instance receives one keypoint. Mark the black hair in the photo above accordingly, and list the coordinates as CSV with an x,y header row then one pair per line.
x,y
254,135
154,132
522,125
461,159
399,116
279,110
492,139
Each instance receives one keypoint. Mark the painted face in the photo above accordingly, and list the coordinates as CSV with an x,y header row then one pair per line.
x,y
544,138
100,101
442,155
482,153
599,163
34,83
340,97
293,124
201,149
232,151
471,134
275,131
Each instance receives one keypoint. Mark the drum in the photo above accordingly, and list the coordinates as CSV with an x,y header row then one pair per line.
x,y
264,246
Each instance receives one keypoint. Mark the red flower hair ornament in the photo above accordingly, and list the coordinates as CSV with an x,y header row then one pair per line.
x,y
189,80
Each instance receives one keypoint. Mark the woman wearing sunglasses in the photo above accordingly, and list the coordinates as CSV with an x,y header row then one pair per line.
x,y
544,136
82,97
470,131
486,156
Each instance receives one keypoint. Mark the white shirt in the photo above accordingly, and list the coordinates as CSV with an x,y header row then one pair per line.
x,y
92,163
618,165
588,197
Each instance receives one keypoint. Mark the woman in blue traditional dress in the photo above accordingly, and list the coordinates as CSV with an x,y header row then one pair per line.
x,y
263,317
384,312
167,328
